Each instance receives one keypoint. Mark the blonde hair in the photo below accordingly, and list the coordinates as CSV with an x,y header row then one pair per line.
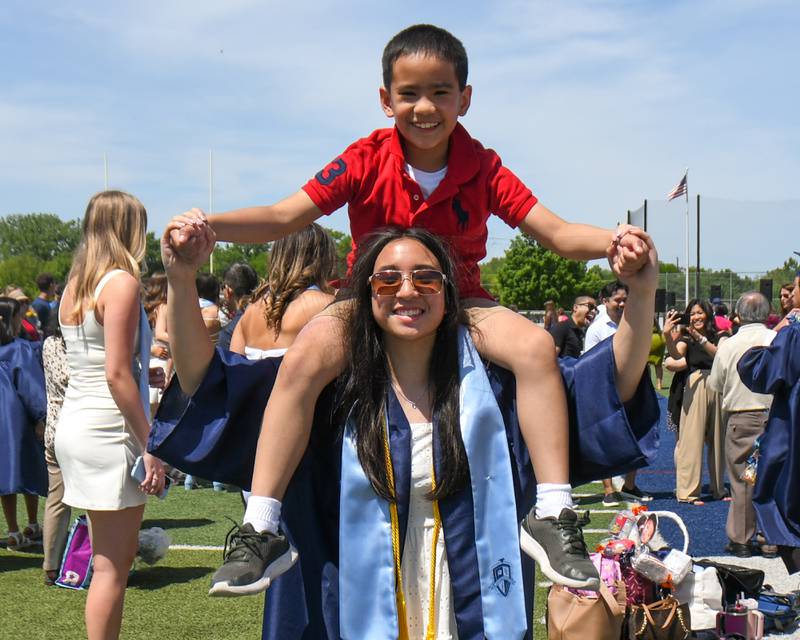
x,y
113,237
298,261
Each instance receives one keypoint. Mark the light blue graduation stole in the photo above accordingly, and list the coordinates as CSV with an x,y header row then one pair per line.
x,y
368,608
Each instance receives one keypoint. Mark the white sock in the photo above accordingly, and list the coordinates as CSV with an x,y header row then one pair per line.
x,y
552,498
263,513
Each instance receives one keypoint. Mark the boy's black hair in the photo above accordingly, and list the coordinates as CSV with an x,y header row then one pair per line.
x,y
240,277
611,288
44,281
427,40
207,287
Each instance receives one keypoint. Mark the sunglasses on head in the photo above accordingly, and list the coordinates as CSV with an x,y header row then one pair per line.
x,y
427,282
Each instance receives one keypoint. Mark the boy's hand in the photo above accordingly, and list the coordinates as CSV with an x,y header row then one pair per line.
x,y
634,259
186,244
628,251
184,227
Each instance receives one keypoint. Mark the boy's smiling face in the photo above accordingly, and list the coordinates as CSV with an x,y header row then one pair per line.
x,y
425,102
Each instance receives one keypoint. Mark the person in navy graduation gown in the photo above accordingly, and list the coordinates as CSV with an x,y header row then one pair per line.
x,y
214,433
23,406
776,369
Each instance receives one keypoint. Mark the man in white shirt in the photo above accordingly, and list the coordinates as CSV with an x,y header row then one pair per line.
x,y
613,297
746,414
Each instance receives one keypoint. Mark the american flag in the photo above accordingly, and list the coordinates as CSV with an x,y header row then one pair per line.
x,y
679,189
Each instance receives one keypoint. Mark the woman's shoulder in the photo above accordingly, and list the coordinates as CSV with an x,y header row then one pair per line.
x,y
314,296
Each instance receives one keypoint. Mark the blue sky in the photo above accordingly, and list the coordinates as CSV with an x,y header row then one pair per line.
x,y
596,105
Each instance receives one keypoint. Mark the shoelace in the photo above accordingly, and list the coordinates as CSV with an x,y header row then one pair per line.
x,y
236,539
573,529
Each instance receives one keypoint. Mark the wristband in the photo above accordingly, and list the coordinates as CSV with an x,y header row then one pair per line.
x,y
703,341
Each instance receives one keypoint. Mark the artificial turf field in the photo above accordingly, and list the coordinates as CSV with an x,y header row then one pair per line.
x,y
169,600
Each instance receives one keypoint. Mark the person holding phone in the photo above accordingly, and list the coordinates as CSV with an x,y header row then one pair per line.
x,y
104,422
694,408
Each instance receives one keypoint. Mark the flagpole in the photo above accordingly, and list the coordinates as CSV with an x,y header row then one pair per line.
x,y
211,201
687,236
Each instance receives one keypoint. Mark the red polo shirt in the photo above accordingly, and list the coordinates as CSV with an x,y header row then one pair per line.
x,y
371,178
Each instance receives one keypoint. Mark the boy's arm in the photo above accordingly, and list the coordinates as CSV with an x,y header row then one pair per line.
x,y
254,225
567,239
627,252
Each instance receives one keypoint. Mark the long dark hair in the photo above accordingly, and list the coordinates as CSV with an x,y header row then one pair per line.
x,y
367,378
9,307
304,258
710,327
155,295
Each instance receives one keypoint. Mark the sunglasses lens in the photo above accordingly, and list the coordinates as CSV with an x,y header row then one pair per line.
x,y
427,281
386,283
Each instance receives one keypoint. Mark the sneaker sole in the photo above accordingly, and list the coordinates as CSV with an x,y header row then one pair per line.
x,y
537,552
278,567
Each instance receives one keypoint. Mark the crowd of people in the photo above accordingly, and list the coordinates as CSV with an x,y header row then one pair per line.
x,y
709,405
423,507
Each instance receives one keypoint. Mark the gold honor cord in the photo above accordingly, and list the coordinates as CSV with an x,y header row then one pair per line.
x,y
430,634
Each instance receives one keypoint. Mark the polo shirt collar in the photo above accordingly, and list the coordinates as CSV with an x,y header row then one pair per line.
x,y
462,158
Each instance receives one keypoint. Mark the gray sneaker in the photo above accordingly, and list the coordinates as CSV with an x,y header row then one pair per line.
x,y
252,561
557,546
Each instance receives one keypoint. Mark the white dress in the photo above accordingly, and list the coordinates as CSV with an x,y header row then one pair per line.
x,y
94,447
416,562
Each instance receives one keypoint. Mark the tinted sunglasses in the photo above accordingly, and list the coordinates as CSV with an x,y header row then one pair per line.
x,y
427,282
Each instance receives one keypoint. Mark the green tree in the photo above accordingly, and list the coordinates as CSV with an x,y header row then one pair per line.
x,y
343,244
21,271
41,235
783,274
532,274
489,271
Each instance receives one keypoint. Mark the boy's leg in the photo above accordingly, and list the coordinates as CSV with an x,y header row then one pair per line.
x,y
258,552
552,535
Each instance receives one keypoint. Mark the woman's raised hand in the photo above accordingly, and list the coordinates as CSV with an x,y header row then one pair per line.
x,y
187,243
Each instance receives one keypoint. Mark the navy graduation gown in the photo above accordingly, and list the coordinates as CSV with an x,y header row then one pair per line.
x,y
23,403
213,434
776,369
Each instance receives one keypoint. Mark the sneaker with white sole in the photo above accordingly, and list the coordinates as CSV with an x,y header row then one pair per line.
x,y
635,494
252,561
557,546
612,499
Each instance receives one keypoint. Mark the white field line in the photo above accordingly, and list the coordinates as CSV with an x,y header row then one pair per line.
x,y
194,547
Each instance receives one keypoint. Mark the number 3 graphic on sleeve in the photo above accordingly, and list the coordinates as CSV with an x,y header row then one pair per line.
x,y
329,173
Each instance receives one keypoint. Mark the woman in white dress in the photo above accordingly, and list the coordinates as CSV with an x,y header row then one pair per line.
x,y
103,426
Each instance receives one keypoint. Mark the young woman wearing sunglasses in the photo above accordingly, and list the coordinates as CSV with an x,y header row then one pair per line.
x,y
406,505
